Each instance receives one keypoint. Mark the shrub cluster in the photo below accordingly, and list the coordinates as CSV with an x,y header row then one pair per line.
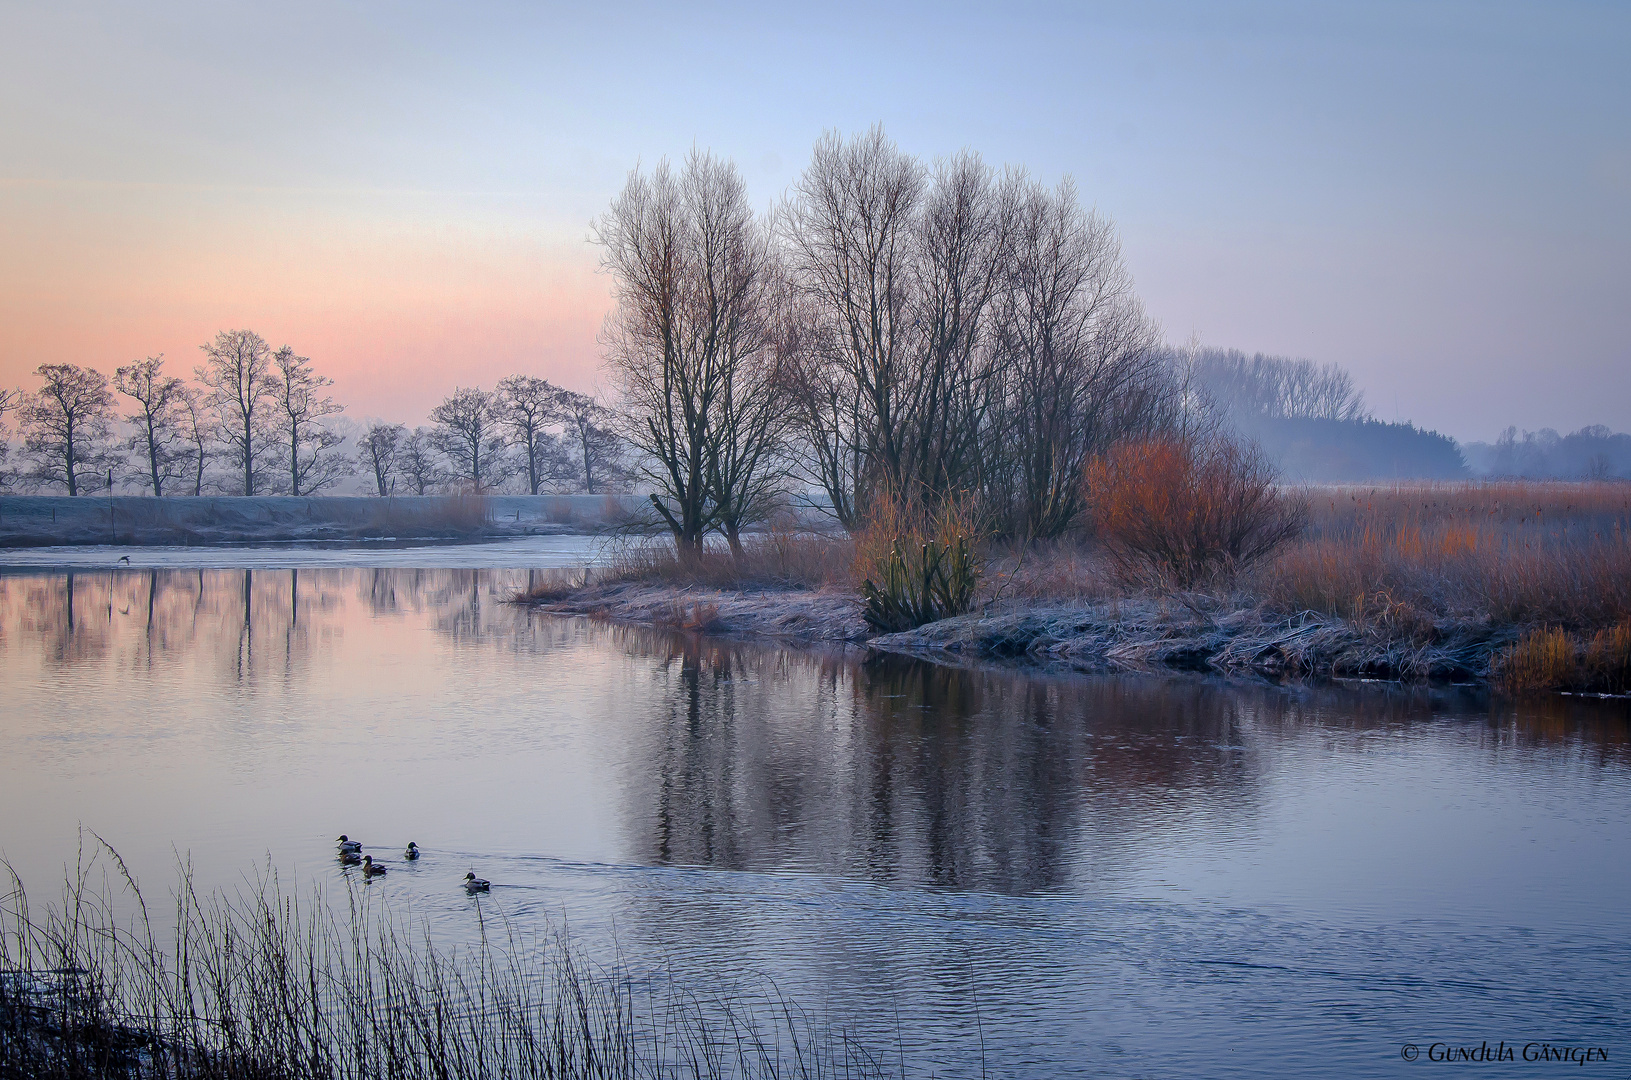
x,y
1183,511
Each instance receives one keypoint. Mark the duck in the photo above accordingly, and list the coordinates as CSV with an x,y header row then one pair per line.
x,y
348,844
474,884
349,858
412,852
369,869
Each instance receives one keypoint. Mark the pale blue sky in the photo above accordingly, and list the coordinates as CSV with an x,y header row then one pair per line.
x,y
1437,196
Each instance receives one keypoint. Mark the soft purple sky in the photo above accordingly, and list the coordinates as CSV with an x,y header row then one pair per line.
x,y
1437,196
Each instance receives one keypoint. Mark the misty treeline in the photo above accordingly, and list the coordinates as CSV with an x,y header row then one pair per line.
x,y
892,329
1312,423
1594,452
259,421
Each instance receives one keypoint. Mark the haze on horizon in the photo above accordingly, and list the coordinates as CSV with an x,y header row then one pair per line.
x,y
1438,198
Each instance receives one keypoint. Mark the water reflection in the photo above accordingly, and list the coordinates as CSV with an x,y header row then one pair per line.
x,y
1114,876
730,755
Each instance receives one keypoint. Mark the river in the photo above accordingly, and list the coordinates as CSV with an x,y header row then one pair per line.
x,y
1129,876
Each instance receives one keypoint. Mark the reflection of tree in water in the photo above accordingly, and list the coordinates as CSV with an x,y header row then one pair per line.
x,y
904,771
899,770
246,624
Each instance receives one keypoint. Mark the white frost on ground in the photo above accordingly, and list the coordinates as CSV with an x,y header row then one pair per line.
x,y
33,520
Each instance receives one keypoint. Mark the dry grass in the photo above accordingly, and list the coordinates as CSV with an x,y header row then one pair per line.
x,y
1519,554
780,558
270,985
460,514
1549,658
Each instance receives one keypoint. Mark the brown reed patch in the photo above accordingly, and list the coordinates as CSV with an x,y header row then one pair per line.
x,y
780,558
697,618
1512,554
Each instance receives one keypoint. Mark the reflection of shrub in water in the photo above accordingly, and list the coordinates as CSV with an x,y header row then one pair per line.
x,y
1550,658
271,986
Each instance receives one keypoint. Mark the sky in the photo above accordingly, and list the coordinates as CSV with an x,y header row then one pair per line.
x,y
1435,195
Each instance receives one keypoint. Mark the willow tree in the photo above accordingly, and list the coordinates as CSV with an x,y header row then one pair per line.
x,y
692,273
1080,361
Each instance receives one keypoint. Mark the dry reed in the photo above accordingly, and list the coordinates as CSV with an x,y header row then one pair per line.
x,y
269,985
1518,554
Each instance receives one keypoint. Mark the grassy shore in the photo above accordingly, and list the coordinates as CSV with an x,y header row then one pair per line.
x,y
276,985
1527,585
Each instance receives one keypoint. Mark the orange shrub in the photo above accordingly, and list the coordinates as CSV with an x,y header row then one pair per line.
x,y
1178,512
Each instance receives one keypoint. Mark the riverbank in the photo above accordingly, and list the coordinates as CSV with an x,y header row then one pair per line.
x,y
1131,634
1525,584
47,521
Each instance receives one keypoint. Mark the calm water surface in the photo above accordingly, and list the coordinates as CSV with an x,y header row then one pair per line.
x,y
1128,876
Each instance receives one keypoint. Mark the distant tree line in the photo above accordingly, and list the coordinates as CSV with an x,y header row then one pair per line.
x,y
255,421
1312,423
1592,453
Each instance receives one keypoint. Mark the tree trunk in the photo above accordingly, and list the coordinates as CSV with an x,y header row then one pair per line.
x,y
71,465
153,458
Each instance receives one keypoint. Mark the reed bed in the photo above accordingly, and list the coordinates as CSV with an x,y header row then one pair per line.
x,y
1517,554
779,558
266,984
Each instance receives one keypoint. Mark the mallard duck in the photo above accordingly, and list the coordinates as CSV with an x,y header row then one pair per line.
x,y
349,858
412,852
347,844
369,869
472,883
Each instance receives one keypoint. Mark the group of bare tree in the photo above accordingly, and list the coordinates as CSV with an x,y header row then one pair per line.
x,y
1276,387
890,330
258,421
527,430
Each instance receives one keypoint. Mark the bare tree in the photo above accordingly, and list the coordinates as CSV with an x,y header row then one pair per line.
x,y
66,426
418,462
308,449
9,400
690,265
1081,363
599,449
157,443
237,375
377,453
1276,387
198,431
752,421
849,232
469,432
527,405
